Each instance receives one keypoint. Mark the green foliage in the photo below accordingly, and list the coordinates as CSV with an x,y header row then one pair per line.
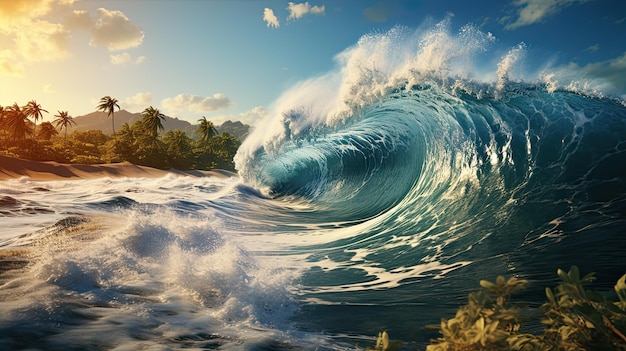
x,y
575,318
488,322
46,131
139,143
580,319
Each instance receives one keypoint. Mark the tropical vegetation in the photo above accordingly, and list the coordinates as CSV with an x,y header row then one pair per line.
x,y
573,319
142,142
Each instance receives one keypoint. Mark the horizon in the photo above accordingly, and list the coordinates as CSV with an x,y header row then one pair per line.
x,y
232,60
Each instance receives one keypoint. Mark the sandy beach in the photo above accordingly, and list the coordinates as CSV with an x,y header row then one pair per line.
x,y
11,168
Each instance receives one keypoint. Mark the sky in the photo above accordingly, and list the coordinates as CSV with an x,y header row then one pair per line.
x,y
230,59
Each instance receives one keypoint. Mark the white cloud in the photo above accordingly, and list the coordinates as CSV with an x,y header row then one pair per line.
x,y
137,102
115,31
16,11
9,64
42,41
270,18
297,11
195,103
32,39
40,30
79,19
534,11
612,71
607,76
125,58
248,117
318,10
120,59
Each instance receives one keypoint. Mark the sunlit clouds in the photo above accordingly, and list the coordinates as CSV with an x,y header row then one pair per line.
x,y
270,18
124,58
41,30
611,71
113,30
295,10
9,64
249,117
535,11
196,103
137,102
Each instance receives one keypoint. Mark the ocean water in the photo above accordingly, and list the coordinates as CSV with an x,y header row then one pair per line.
x,y
373,197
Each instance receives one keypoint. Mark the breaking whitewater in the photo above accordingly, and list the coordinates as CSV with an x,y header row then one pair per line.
x,y
374,197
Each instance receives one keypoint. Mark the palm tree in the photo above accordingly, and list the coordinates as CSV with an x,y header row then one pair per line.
x,y
206,129
47,131
63,120
16,122
34,110
108,105
152,121
179,150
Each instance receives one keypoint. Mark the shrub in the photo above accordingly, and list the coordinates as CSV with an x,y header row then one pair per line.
x,y
575,318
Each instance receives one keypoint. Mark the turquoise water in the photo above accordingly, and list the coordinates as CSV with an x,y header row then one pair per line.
x,y
370,199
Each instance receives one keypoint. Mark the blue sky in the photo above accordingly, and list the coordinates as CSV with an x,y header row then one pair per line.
x,y
229,59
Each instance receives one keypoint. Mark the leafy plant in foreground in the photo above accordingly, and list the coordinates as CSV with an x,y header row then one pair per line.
x,y
579,319
488,322
575,318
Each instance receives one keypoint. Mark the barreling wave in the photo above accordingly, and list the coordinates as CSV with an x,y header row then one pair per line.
x,y
377,193
408,115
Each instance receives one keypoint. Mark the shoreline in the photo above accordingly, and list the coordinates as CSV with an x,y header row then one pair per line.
x,y
15,168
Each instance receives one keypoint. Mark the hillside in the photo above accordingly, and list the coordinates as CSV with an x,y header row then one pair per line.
x,y
100,121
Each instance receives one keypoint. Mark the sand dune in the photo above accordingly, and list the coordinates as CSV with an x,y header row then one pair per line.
x,y
11,168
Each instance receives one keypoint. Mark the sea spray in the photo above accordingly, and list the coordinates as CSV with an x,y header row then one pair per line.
x,y
379,192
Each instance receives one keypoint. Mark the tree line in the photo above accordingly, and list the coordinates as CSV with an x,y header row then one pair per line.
x,y
141,143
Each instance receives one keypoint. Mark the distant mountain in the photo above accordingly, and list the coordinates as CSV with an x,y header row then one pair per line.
x,y
100,121
238,129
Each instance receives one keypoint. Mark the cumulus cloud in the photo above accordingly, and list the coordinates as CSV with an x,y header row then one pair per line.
x,y
138,102
249,117
42,41
196,103
297,11
270,18
40,30
120,59
33,39
124,58
534,11
115,31
613,71
15,11
79,19
9,64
